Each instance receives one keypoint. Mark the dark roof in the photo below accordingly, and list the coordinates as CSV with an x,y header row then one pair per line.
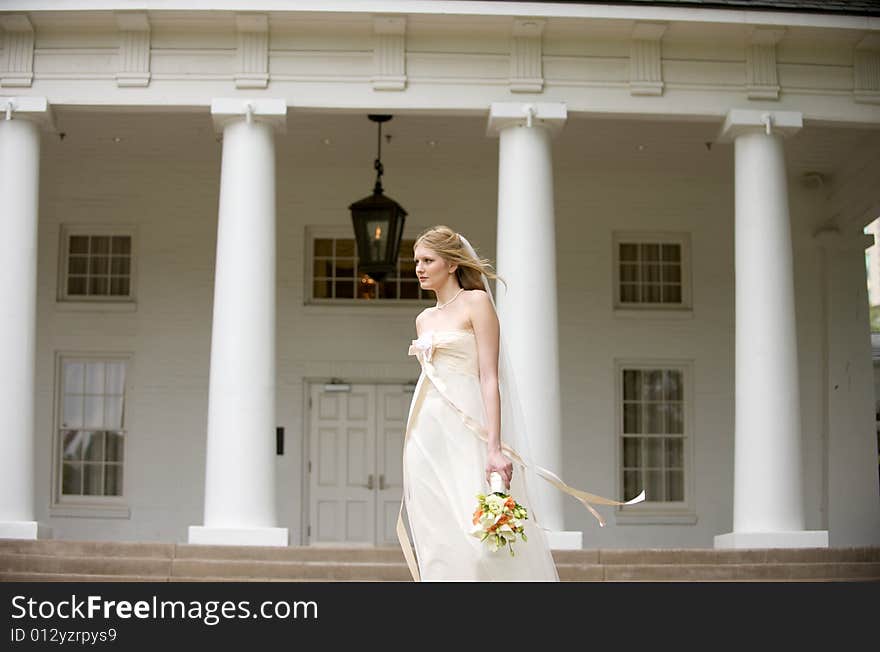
x,y
839,7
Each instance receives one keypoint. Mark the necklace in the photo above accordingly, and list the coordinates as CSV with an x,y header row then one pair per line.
x,y
440,306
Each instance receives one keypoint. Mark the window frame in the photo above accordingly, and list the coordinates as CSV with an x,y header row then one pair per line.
x,y
625,309
651,512
89,506
314,232
77,301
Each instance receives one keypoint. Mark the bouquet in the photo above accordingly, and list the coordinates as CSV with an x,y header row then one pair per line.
x,y
498,518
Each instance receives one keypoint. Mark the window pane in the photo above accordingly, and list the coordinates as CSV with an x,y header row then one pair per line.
x,y
671,252
632,380
650,252
654,418
72,416
114,447
76,286
388,290
121,244
71,445
321,289
98,287
632,484
654,486
671,294
674,453
344,289
115,373
674,419
113,412
629,252
632,452
94,411
345,247
632,418
94,445
79,244
407,268
77,265
651,273
323,247
345,268
113,480
673,387
651,293
629,273
672,273
119,287
95,378
74,372
71,479
675,485
99,265
120,265
629,293
322,267
100,245
652,389
409,290
93,480
653,448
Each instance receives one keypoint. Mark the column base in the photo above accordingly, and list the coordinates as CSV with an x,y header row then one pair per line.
x,y
230,536
559,540
24,530
790,539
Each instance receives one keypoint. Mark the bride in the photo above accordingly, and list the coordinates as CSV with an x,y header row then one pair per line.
x,y
463,425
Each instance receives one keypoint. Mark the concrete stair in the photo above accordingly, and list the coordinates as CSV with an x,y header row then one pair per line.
x,y
78,561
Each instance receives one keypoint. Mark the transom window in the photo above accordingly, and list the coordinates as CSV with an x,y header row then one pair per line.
x,y
336,276
97,265
651,271
91,434
652,436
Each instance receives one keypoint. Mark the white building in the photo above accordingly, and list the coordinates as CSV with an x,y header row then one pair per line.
x,y
677,195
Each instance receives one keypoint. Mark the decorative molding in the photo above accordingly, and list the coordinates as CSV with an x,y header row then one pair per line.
x,y
526,66
389,53
134,49
645,71
549,115
866,70
225,110
17,66
253,51
743,121
28,107
762,79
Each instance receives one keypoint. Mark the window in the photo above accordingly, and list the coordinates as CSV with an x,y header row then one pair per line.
x,y
651,270
335,278
91,430
96,264
653,432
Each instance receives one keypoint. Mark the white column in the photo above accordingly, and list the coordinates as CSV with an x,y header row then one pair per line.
x,y
526,259
768,507
240,458
19,195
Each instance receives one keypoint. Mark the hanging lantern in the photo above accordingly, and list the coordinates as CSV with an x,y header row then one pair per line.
x,y
378,222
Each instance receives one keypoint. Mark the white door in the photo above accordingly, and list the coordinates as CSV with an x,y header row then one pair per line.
x,y
355,448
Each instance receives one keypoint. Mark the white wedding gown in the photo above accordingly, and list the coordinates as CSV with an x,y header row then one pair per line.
x,y
444,468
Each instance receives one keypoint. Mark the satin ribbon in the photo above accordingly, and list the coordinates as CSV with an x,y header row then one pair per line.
x,y
423,349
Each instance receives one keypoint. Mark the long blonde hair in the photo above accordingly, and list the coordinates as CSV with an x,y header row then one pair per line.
x,y
446,244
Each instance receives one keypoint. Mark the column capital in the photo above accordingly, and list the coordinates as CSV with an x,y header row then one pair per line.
x,y
549,115
743,121
35,109
225,110
831,238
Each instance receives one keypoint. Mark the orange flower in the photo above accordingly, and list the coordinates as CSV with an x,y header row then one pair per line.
x,y
509,503
477,515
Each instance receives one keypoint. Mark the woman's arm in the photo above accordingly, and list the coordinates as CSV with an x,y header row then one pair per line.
x,y
487,332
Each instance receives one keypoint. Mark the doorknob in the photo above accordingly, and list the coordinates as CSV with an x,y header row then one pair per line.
x,y
370,481
382,484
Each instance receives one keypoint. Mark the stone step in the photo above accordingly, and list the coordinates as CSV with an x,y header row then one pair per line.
x,y
88,548
90,565
771,572
750,556
297,570
293,553
73,577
